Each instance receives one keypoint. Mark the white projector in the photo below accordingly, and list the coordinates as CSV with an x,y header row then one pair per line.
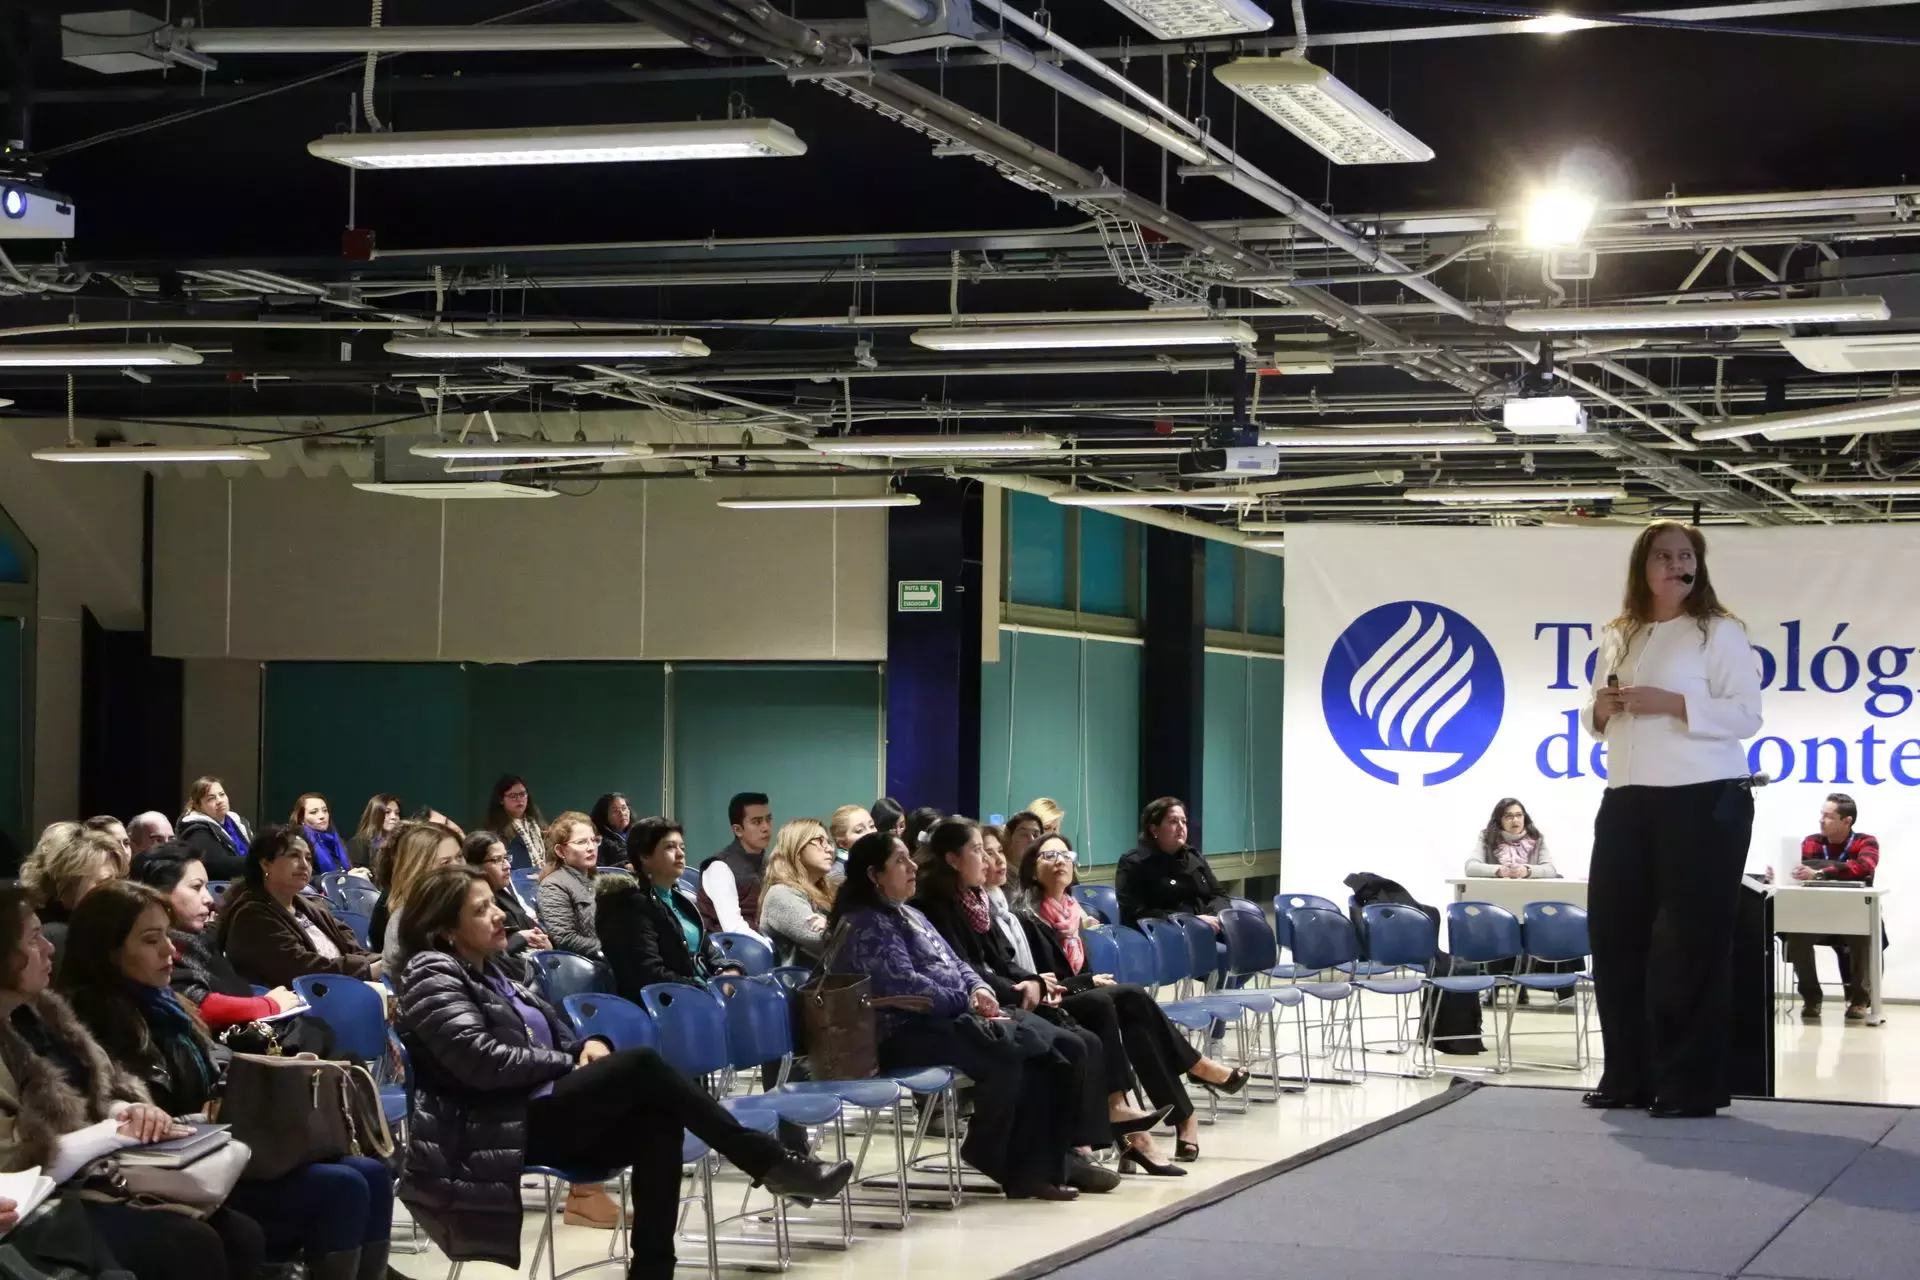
x,y
1544,416
28,212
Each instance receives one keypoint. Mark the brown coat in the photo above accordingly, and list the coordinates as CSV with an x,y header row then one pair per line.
x,y
37,1105
267,945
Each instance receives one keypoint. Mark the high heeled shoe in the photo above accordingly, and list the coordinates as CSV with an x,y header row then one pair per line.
x,y
1185,1152
1236,1081
1131,1157
1152,1120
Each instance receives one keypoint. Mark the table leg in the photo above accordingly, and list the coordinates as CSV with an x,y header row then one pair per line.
x,y
1875,955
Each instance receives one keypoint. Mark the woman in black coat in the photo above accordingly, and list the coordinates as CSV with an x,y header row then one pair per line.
x,y
1162,877
650,929
502,1082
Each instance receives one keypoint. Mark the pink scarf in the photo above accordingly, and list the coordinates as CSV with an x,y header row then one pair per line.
x,y
1063,913
1515,853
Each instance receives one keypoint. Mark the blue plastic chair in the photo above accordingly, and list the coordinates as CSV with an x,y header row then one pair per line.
x,y
1482,934
754,957
1253,953
1285,902
526,881
1400,941
329,882
1139,958
358,925
356,894
691,1027
1103,952
1098,900
559,974
352,1010
689,881
791,977
1324,940
622,1023
1557,932
1173,962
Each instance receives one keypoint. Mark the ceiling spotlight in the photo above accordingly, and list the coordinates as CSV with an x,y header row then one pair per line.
x,y
605,347
58,357
1539,494
826,502
577,144
1130,333
520,450
1698,315
1556,218
1557,24
150,453
1309,103
935,445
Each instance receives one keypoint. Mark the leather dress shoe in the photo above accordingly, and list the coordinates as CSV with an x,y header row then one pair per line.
x,y
1676,1111
1609,1101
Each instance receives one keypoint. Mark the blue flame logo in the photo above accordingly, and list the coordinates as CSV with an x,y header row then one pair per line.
x,y
1413,693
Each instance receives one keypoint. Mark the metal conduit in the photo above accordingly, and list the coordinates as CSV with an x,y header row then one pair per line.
x,y
427,39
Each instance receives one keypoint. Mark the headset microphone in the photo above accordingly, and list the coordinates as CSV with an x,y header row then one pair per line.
x,y
1687,578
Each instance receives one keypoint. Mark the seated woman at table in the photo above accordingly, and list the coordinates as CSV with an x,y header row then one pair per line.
x,y
337,1214
502,1081
649,926
1161,1057
798,892
273,931
1025,1098
1510,847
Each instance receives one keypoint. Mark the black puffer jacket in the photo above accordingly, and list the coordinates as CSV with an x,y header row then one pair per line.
x,y
474,1069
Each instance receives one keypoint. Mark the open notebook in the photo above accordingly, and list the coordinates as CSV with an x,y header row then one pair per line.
x,y
27,1189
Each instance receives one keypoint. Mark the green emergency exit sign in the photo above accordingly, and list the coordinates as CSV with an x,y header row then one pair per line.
x,y
922,596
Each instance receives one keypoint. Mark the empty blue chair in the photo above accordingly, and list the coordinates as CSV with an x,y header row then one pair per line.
x,y
329,882
1099,901
1400,941
358,925
1103,952
559,974
526,882
356,894
689,881
1173,962
1481,934
691,1027
624,1024
1285,902
1323,941
752,955
1139,958
1253,952
1556,932
353,1011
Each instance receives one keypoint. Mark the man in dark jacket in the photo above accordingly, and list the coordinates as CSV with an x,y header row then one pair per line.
x,y
1162,877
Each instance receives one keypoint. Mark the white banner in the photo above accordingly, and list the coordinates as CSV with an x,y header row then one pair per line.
x,y
1400,779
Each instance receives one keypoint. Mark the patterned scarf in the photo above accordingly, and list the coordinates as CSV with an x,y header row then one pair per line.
x,y
1515,851
1063,913
979,915
536,846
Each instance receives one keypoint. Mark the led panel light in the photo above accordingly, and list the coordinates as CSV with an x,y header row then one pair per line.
x,y
571,144
826,502
446,490
112,357
1272,542
1895,413
1543,416
945,446
1542,493
1128,333
660,346
138,453
1698,315
1309,103
1374,437
1185,19
519,450
1082,498
1857,489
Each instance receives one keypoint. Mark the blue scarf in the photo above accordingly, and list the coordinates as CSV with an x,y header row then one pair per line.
x,y
172,1029
328,853
233,830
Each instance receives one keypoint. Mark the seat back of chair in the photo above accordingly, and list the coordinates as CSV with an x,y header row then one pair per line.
x,y
1251,946
1285,902
791,977
1172,959
358,925
1480,932
356,895
352,1010
689,881
1099,901
1203,948
1400,935
759,1022
329,883
1139,958
1554,931
1322,937
1103,950
624,1024
752,955
560,974
526,881
691,1027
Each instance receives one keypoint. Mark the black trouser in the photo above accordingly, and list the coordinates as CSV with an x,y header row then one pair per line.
x,y
1023,1107
1134,1030
627,1111
1661,899
1093,1071
158,1244
1853,967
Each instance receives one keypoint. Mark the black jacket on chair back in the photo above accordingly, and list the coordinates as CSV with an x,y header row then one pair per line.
x,y
641,942
1151,884
475,1067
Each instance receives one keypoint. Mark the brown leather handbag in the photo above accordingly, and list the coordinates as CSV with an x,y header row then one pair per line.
x,y
837,1010
295,1111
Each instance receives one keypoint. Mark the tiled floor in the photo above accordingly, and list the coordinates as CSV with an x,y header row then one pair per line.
x,y
988,1237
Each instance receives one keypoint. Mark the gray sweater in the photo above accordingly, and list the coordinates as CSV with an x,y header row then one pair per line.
x,y
784,912
566,912
1485,864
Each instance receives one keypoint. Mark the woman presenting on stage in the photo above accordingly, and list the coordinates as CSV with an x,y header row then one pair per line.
x,y
1676,687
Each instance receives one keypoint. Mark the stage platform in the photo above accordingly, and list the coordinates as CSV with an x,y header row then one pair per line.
x,y
1519,1183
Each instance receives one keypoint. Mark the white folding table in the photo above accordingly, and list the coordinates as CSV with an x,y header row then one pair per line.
x,y
1845,909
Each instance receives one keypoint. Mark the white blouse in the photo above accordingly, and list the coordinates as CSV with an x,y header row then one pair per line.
x,y
1718,675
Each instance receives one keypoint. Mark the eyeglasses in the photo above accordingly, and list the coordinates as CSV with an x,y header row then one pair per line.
x,y
515,795
502,861
1058,855
821,840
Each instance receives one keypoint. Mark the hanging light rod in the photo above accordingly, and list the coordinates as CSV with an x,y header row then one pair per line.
x,y
595,347
1857,489
825,502
1895,413
49,356
570,144
1701,315
149,453
1373,437
1538,493
1142,333
936,445
507,450
1308,102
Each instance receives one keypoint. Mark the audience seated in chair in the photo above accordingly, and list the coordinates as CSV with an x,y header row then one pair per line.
x,y
380,819
315,821
798,892
484,851
566,885
515,818
273,931
418,847
66,863
649,926
612,819
212,829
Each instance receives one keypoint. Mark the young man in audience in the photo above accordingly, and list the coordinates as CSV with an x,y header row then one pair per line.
x,y
1835,852
730,879
148,830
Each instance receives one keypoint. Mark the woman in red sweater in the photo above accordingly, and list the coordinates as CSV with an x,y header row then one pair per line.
x,y
202,974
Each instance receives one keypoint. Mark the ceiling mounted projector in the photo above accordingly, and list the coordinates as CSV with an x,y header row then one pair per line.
x,y
1543,416
29,212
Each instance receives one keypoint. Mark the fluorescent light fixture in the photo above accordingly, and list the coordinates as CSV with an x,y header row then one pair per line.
x,y
1698,315
1272,542
1557,24
1184,19
1857,489
1297,363
956,445
1543,416
1895,413
456,489
1556,218
1374,437
1185,498
1309,103
1538,493
599,347
1130,333
56,357
575,144
138,453
515,450
825,502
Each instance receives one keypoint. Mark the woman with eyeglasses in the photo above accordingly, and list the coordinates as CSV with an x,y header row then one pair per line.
x,y
1162,1058
799,891
613,820
483,851
566,885
515,818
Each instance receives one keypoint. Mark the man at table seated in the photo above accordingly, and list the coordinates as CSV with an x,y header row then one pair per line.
x,y
1837,852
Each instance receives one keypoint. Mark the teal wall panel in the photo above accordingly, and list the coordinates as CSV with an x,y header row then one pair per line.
x,y
1223,599
1244,700
1110,789
1036,551
594,727
1266,686
1103,563
1266,589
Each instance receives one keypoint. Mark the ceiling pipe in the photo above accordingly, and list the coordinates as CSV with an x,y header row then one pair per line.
x,y
427,39
1139,515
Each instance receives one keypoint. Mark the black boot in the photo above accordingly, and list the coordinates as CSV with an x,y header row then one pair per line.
x,y
344,1265
373,1263
806,1180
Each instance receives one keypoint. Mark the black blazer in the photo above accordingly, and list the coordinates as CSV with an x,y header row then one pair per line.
x,y
1151,884
987,952
641,942
1050,955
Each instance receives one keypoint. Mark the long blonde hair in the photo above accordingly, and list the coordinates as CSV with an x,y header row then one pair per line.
x,y
785,867
65,854
1048,811
413,846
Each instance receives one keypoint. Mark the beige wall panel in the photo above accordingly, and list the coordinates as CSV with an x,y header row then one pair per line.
x,y
220,730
